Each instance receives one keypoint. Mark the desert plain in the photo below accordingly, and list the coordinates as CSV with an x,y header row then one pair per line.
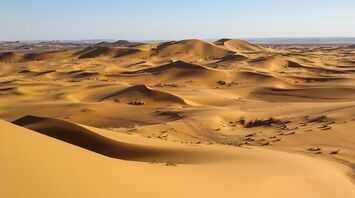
x,y
183,118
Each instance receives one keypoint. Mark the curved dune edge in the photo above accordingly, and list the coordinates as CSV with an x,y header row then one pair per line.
x,y
190,48
144,93
184,49
170,66
238,45
125,94
89,140
182,72
45,166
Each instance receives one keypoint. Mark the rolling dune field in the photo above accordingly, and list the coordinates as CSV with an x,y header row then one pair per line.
x,y
183,118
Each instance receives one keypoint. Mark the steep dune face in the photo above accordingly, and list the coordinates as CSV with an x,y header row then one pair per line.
x,y
182,71
306,94
275,64
60,54
92,52
238,45
15,57
181,50
190,49
186,49
293,65
144,94
111,52
10,57
84,138
37,159
95,52
252,77
118,43
177,65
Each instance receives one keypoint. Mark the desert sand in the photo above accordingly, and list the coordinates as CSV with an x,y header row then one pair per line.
x,y
178,119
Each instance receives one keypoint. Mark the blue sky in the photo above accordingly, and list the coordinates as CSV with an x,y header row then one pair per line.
x,y
174,19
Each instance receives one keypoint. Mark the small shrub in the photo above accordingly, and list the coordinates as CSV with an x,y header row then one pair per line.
x,y
335,152
242,120
320,118
221,82
137,102
258,122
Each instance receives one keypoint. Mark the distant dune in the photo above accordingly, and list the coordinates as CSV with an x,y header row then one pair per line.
x,y
107,51
238,45
9,57
190,49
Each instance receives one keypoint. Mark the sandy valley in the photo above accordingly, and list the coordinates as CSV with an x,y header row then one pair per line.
x,y
183,118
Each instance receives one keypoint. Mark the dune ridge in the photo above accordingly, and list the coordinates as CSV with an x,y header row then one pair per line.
x,y
238,45
104,174
144,93
190,49
84,138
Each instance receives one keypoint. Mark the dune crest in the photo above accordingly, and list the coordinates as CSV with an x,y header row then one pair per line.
x,y
182,72
238,45
104,174
190,49
84,138
145,94
171,66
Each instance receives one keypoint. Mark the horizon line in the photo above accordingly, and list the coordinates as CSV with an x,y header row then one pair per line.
x,y
116,39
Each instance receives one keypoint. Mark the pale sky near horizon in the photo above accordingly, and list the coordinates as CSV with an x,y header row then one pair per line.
x,y
174,19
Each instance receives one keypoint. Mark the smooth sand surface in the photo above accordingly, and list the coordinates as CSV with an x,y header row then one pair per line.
x,y
38,166
178,119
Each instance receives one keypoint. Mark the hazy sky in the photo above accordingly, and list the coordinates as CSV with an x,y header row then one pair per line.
x,y
174,19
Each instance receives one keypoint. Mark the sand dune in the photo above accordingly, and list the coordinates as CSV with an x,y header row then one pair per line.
x,y
306,94
10,57
177,119
60,54
275,63
175,65
181,50
84,138
144,94
238,45
16,57
180,71
97,175
107,52
119,43
190,49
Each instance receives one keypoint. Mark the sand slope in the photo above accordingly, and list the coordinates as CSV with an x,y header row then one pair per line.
x,y
180,71
190,49
143,93
49,164
238,45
